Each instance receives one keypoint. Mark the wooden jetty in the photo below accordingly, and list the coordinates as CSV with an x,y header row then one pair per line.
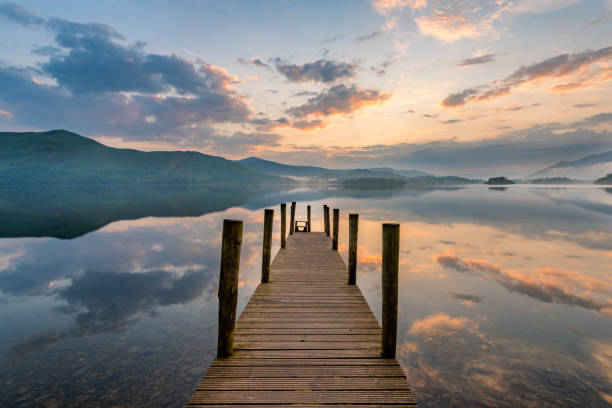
x,y
307,337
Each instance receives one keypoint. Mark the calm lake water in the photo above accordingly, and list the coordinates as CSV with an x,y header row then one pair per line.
x,y
108,298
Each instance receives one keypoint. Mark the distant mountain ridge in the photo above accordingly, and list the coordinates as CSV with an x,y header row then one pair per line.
x,y
589,167
60,157
280,169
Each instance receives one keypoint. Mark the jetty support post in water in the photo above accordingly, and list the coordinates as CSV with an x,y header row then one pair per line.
x,y
326,219
228,286
308,218
352,251
390,270
267,245
292,226
283,225
336,226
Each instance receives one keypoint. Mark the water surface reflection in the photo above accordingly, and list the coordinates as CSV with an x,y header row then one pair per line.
x,y
506,297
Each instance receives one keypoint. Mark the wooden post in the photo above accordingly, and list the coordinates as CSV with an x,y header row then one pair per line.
x,y
267,245
228,286
326,219
352,252
390,270
336,222
308,218
292,226
283,225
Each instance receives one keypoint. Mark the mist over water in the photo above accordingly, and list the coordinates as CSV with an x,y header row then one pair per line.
x,y
109,297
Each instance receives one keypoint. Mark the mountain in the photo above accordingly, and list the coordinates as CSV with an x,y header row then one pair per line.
x,y
280,169
405,173
59,157
586,168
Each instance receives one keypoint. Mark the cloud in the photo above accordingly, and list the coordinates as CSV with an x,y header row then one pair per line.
x,y
467,297
381,69
19,14
518,152
549,285
254,61
481,59
322,70
332,39
368,37
441,325
94,82
559,67
114,301
339,99
386,7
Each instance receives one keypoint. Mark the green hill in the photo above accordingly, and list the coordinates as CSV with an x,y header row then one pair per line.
x,y
59,157
605,180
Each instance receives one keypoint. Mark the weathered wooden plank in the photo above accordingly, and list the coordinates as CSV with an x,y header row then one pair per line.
x,y
289,397
303,362
305,371
302,383
306,338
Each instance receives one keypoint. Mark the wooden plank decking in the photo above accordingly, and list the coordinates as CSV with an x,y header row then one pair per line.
x,y
306,338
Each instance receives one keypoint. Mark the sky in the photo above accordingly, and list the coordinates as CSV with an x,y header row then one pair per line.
x,y
465,87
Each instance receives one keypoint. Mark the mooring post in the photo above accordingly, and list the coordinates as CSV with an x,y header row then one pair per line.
x,y
308,218
267,245
352,252
326,219
292,226
390,270
228,286
283,225
336,222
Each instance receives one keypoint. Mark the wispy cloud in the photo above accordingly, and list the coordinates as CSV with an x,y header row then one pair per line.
x,y
256,61
481,59
321,70
369,36
560,67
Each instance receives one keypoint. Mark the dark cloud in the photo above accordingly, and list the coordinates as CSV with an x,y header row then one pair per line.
x,y
482,59
556,67
584,105
19,14
451,121
322,70
339,99
465,296
369,36
254,61
94,82
305,93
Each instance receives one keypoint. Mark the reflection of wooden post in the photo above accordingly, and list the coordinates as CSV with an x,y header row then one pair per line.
x,y
228,286
352,252
326,219
336,222
308,218
283,225
292,226
267,245
390,270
